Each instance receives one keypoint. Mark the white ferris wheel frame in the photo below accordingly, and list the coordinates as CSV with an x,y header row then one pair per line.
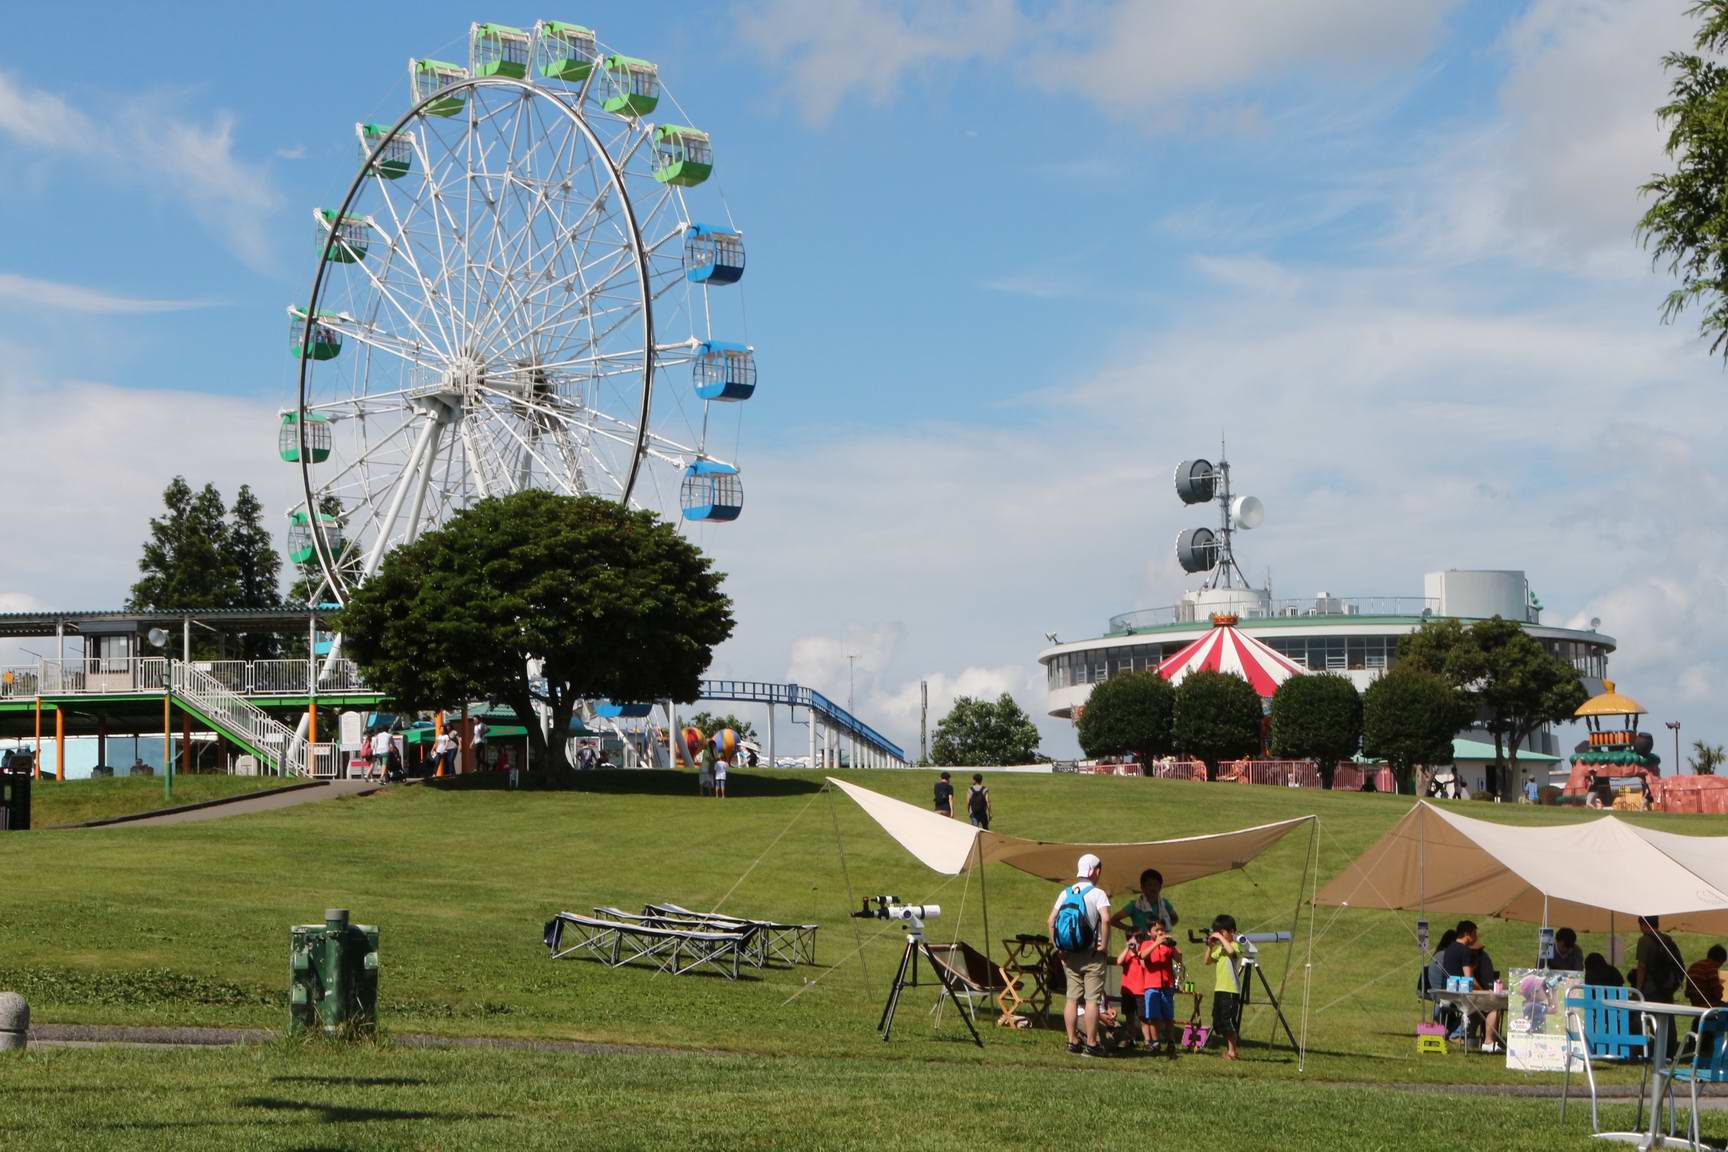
x,y
428,420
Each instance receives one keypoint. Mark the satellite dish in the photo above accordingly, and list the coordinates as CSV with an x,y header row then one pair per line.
x,y
1247,512
1197,550
158,637
1595,623
1196,483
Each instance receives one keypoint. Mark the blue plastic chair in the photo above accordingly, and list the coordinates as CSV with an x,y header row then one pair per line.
x,y
1609,1030
1709,1059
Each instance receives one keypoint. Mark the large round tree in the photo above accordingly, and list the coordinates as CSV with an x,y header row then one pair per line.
x,y
611,602
1317,718
1129,714
1217,718
1409,718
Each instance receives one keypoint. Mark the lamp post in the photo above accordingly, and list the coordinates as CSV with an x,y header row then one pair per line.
x,y
1674,727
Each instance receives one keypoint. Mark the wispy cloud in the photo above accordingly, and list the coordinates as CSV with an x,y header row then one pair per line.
x,y
1034,286
29,291
297,152
189,162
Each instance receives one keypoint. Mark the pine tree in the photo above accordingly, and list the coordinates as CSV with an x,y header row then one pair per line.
x,y
185,561
257,566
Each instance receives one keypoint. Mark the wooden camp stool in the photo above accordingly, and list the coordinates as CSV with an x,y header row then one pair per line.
x,y
1025,981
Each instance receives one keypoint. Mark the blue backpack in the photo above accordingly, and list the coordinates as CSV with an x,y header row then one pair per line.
x,y
1073,926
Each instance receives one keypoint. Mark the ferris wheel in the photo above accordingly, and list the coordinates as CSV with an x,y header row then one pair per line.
x,y
521,289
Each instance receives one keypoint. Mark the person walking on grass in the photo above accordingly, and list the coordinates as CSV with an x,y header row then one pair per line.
x,y
1221,952
1079,926
721,767
978,802
945,796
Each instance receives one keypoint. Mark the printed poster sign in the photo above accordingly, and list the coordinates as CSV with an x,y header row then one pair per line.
x,y
1536,1018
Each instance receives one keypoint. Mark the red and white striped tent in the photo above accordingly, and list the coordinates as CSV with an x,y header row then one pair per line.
x,y
1226,649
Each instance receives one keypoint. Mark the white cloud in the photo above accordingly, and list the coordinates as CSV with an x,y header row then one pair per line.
x,y
839,48
188,162
1145,58
1553,179
28,291
297,152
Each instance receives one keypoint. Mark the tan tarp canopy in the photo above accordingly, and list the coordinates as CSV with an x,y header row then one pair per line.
x,y
953,846
1592,876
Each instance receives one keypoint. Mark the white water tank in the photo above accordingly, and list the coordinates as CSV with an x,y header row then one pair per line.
x,y
1477,594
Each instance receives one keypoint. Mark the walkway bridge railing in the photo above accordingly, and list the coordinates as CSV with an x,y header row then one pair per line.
x,y
792,695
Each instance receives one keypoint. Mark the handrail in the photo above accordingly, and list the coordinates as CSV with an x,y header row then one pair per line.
x,y
241,718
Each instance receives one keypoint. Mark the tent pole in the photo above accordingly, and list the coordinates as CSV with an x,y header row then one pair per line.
x,y
1295,925
983,895
840,846
1308,964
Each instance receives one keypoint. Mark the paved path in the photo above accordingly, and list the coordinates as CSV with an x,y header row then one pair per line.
x,y
268,802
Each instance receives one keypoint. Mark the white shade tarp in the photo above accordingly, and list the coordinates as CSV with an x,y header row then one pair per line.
x,y
952,846
1589,876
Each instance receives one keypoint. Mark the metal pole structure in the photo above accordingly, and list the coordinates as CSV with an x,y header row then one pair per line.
x,y
851,684
185,741
186,640
812,718
1674,726
923,721
36,761
311,688
60,643
770,733
59,742
167,748
983,894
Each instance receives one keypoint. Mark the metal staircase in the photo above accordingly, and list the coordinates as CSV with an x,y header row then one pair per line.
x,y
276,745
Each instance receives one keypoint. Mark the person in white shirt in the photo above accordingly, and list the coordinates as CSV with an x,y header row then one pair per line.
x,y
720,768
380,760
1085,968
440,751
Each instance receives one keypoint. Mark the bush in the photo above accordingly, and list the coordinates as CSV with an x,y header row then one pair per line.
x,y
1548,794
1482,794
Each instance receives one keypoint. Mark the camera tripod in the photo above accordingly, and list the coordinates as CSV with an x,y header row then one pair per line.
x,y
915,946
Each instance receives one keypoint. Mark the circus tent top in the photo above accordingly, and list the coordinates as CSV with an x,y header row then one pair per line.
x,y
1227,649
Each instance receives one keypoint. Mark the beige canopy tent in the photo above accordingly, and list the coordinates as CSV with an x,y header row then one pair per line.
x,y
953,846
1592,876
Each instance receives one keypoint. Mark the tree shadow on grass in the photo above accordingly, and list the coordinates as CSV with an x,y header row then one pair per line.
x,y
346,1114
631,782
354,1081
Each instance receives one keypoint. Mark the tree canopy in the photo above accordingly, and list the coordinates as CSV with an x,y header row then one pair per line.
x,y
1129,714
611,602
1409,718
1317,717
199,555
1217,717
1505,674
1686,225
985,734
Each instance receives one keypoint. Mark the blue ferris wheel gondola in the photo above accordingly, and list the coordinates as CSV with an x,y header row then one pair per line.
x,y
612,711
713,255
723,371
711,491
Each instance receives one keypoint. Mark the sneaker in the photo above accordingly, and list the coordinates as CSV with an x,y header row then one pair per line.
x,y
1095,1050
1491,1049
1075,1049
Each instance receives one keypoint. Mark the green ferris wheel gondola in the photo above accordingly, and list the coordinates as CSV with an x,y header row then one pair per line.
x,y
397,158
301,549
325,342
498,50
563,51
682,156
317,437
432,81
341,238
635,86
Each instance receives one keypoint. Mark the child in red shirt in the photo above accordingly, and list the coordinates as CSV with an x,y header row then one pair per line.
x,y
1158,955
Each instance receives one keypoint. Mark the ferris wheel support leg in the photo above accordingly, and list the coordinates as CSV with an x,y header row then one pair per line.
x,y
428,464
409,474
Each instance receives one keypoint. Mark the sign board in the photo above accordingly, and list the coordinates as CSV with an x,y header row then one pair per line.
x,y
353,731
1535,1023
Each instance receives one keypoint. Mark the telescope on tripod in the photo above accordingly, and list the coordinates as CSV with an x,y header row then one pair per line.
x,y
1249,943
913,916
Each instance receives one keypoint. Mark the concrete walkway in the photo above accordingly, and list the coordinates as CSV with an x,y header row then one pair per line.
x,y
267,802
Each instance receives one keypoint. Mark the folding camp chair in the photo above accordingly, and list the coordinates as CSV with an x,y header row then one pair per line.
x,y
1709,1060
1603,1027
975,978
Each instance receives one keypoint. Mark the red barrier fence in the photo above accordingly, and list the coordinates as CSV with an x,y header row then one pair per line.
x,y
1275,773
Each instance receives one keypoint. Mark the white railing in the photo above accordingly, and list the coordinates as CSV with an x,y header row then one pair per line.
x,y
18,681
279,677
231,674
341,676
241,719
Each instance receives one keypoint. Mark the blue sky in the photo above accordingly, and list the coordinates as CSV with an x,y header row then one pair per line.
x,y
1008,263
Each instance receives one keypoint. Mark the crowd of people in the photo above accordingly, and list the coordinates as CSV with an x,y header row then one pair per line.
x,y
1658,973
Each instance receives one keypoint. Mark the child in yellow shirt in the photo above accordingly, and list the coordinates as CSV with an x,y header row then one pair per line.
x,y
1221,952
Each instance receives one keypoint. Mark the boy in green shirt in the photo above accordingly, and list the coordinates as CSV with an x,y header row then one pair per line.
x,y
1221,952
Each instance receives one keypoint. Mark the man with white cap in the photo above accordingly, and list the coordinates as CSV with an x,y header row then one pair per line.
x,y
1079,925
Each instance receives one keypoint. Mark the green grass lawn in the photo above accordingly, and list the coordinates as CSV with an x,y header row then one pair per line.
x,y
189,925
76,801
382,1097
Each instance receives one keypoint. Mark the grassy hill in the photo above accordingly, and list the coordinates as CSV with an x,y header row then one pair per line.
x,y
76,801
190,924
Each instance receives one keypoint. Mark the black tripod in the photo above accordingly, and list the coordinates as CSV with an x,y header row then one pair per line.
x,y
1251,959
909,968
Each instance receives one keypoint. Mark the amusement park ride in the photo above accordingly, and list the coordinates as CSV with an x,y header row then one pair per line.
x,y
521,288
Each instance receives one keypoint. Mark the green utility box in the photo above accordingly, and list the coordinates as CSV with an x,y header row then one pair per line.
x,y
333,977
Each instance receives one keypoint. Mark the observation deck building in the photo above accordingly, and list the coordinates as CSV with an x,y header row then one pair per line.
x,y
1353,636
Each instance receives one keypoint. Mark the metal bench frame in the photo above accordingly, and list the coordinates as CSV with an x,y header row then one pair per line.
x,y
754,939
616,944
791,944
